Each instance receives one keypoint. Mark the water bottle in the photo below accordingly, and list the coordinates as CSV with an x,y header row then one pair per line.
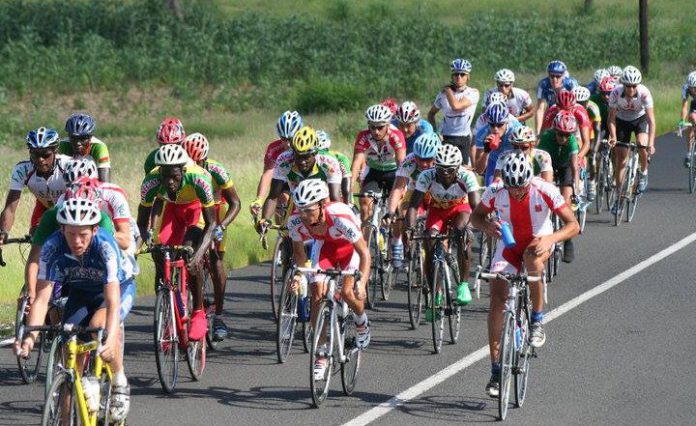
x,y
90,385
506,231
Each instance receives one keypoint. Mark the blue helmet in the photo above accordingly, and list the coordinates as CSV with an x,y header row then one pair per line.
x,y
569,83
426,145
80,125
289,123
42,138
460,65
556,67
497,113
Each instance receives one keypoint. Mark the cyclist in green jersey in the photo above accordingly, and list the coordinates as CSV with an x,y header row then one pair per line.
x,y
324,147
82,143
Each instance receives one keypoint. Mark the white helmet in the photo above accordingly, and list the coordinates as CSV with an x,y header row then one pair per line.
x,y
631,75
496,97
378,114
171,155
517,172
448,156
523,134
310,191
79,212
79,168
582,93
408,112
504,76
615,71
600,74
691,79
323,140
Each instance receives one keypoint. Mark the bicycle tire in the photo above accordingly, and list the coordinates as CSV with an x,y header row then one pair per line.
x,y
374,281
320,388
692,169
165,341
389,281
279,267
105,399
622,194
287,321
28,367
505,356
351,366
54,358
414,278
53,406
209,307
601,186
453,311
438,320
632,207
195,358
307,335
581,215
524,352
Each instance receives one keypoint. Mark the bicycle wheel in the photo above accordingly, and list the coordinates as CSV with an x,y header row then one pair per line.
x,y
279,266
195,358
375,281
438,323
351,366
692,170
166,341
581,215
307,334
415,285
524,353
506,357
105,398
287,321
61,388
389,280
55,357
452,310
632,206
320,386
621,196
28,367
209,307
601,186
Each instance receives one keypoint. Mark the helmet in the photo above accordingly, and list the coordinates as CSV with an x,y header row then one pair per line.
x,y
79,212
631,75
504,76
42,137
171,155
522,134
569,83
85,188
196,146
310,191
79,168
691,79
607,84
304,141
323,140
497,113
426,145
171,131
80,125
556,67
615,71
498,97
581,93
408,112
565,122
448,156
460,66
566,98
391,104
378,114
516,171
600,74
288,123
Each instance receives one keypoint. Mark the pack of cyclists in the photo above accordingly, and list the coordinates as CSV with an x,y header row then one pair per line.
x,y
454,175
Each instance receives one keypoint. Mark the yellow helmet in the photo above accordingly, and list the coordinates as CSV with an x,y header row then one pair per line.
x,y
304,141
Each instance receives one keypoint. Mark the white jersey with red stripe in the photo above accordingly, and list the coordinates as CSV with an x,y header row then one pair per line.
x,y
45,189
343,226
531,216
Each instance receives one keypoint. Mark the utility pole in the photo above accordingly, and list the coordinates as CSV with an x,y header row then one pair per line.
x,y
643,25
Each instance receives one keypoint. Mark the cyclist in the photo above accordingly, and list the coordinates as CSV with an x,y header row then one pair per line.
x,y
481,121
688,112
324,148
548,88
42,174
101,283
567,101
615,72
493,139
458,104
188,217
82,143
518,101
453,192
582,96
227,206
171,131
562,145
339,244
408,119
631,111
523,140
601,99
286,127
422,158
599,74
526,203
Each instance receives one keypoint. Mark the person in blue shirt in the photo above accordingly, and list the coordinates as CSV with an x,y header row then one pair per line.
x,y
408,120
87,260
494,139
547,89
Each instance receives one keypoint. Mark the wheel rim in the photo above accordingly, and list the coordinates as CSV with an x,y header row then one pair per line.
x,y
320,388
349,369
506,360
287,320
415,287
166,345
438,323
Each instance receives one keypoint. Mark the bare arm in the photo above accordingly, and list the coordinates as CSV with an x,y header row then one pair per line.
x,y
651,129
364,253
356,167
143,220
123,234
539,115
264,183
685,109
585,136
31,271
8,213
235,205
611,124
269,206
431,117
112,300
396,193
414,202
209,217
527,113
456,104
335,192
481,161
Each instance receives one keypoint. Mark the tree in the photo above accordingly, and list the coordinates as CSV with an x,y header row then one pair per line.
x,y
175,7
643,25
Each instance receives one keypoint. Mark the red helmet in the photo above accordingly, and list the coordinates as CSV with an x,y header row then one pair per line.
x,y
391,104
565,122
607,84
196,146
85,187
171,131
566,99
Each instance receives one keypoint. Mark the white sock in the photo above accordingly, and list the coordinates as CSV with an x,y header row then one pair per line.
x,y
360,319
119,379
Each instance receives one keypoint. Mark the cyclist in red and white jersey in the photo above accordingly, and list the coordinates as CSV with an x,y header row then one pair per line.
x,y
566,100
338,244
518,101
526,203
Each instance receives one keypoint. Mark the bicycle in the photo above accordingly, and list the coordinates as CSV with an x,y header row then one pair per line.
x,y
487,247
415,276
335,319
515,348
605,175
581,203
280,263
171,319
692,156
75,397
627,196
294,306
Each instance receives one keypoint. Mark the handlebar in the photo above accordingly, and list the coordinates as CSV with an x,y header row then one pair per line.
x,y
370,194
68,329
510,277
330,272
162,248
21,240
681,128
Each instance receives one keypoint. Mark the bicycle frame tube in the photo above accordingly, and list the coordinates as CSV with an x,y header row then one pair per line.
x,y
73,350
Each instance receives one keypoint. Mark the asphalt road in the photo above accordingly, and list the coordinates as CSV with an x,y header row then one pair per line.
x,y
625,356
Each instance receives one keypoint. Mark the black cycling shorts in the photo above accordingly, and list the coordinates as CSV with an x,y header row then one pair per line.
x,y
378,181
564,176
461,142
692,107
625,128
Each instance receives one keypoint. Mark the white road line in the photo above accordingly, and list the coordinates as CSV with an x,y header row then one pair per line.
x,y
439,377
6,342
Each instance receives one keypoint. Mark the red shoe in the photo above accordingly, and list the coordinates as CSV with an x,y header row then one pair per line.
x,y
199,325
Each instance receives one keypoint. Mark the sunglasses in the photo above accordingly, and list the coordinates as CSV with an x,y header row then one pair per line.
x,y
377,126
504,84
447,170
423,159
79,138
308,210
41,154
459,74
555,75
630,86
496,124
523,146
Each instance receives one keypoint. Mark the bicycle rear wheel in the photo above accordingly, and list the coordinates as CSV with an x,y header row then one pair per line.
x,y
287,321
53,414
523,355
320,386
209,307
438,320
374,282
415,285
506,357
601,185
351,366
195,358
279,266
622,195
166,342
28,367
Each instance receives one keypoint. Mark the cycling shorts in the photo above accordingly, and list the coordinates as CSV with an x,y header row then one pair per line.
x,y
509,260
378,180
692,107
177,219
625,128
438,218
39,210
333,255
564,176
82,305
220,212
461,142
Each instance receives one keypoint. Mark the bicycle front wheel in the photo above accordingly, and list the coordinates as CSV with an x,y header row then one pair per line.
x,y
209,307
374,282
61,402
692,170
279,267
166,342
28,367
415,280
506,357
601,186
322,324
523,355
438,320
632,206
287,321
55,357
351,366
195,358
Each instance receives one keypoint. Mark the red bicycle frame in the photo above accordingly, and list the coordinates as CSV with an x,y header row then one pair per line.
x,y
178,294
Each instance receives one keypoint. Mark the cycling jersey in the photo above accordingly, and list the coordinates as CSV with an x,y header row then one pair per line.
x,y
195,186
629,109
49,224
685,94
343,161
325,168
546,92
46,190
504,146
578,111
540,159
457,123
592,86
97,152
603,109
453,195
273,151
560,154
423,127
409,169
517,101
221,180
380,155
